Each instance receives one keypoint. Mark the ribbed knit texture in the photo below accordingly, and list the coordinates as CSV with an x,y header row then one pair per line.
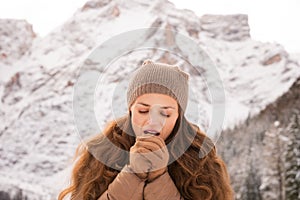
x,y
159,78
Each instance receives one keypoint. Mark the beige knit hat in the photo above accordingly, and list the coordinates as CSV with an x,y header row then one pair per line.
x,y
159,78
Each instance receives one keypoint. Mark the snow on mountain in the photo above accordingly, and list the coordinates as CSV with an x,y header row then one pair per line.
x,y
254,75
226,27
16,37
296,57
14,43
37,130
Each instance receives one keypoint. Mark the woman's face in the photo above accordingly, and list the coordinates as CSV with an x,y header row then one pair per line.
x,y
154,114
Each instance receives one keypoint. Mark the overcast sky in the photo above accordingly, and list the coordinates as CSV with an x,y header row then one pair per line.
x,y
270,20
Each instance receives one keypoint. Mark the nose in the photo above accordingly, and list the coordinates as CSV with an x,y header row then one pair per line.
x,y
155,117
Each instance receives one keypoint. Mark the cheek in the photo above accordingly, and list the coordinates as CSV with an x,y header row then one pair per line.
x,y
136,120
169,126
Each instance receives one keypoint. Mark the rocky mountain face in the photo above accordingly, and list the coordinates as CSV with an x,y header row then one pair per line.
x,y
14,42
229,28
38,131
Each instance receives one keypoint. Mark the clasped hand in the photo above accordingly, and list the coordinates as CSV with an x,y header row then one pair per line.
x,y
149,157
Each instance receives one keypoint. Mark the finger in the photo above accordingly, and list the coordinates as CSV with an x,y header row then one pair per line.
x,y
148,153
155,139
148,144
138,151
158,157
153,147
144,153
142,150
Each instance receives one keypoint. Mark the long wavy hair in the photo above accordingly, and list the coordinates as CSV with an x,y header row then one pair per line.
x,y
194,166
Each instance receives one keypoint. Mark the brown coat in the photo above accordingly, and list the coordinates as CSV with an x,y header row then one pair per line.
x,y
128,186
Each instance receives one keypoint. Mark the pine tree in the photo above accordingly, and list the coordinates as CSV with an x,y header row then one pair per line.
x,y
252,185
272,187
292,160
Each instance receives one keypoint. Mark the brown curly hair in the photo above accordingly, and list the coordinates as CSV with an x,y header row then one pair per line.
x,y
194,166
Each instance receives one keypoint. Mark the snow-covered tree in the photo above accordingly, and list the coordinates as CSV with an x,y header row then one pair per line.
x,y
252,184
272,186
292,160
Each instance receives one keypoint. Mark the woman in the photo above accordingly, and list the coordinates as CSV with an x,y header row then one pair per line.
x,y
153,152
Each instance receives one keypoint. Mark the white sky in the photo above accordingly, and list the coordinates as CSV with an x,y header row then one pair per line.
x,y
270,20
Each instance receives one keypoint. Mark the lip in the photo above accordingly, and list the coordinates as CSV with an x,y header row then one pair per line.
x,y
151,132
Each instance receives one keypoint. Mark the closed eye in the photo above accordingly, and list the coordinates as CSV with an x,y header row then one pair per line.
x,y
165,115
146,111
143,111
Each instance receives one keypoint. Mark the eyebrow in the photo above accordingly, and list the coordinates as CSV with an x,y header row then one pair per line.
x,y
163,107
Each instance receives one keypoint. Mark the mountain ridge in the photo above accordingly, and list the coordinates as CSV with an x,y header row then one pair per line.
x,y
36,96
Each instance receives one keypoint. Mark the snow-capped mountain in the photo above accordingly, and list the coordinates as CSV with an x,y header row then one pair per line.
x,y
38,131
